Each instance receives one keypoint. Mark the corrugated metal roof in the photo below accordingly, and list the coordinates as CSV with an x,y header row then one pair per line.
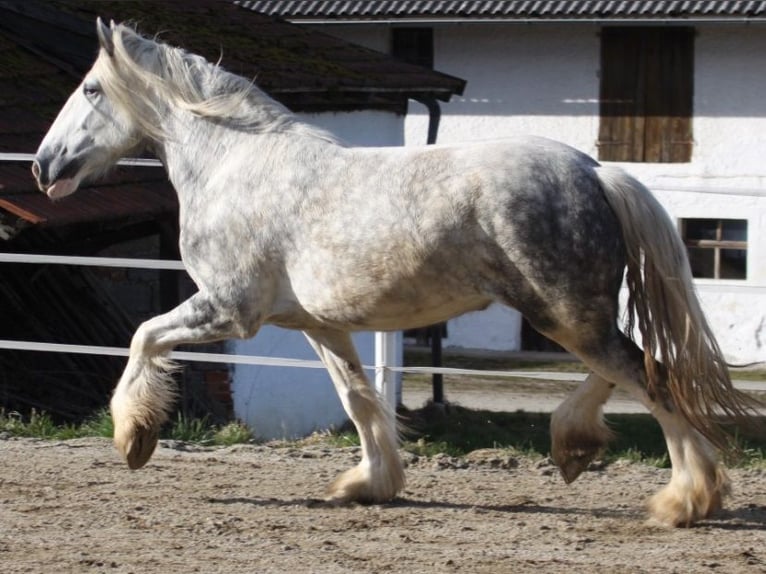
x,y
138,192
719,10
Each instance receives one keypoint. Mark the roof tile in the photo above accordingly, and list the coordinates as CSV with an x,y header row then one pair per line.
x,y
510,9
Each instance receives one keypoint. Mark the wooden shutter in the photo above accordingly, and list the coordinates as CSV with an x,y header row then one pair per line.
x,y
647,78
669,94
621,108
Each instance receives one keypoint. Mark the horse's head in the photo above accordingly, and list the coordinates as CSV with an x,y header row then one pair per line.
x,y
90,133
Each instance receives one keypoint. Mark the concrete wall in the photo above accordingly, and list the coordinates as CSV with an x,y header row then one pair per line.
x,y
544,80
288,402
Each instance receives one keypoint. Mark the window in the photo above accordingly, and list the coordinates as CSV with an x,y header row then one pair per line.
x,y
413,45
647,83
717,247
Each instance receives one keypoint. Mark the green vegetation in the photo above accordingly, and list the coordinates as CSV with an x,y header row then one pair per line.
x,y
201,431
233,433
457,431
451,429
462,430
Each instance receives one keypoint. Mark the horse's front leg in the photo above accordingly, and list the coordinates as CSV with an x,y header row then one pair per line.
x,y
145,393
380,473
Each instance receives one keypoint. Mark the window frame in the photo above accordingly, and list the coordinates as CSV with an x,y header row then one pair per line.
x,y
718,244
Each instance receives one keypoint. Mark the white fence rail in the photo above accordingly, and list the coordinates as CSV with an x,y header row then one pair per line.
x,y
135,161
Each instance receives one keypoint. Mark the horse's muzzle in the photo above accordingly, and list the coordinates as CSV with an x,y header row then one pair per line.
x,y
56,178
38,171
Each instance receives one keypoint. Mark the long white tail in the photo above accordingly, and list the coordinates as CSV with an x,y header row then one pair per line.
x,y
681,355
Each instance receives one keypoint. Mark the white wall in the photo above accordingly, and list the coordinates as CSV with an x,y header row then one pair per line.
x,y
286,402
544,79
368,128
538,80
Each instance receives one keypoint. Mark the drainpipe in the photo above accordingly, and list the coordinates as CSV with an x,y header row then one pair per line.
x,y
434,117
435,331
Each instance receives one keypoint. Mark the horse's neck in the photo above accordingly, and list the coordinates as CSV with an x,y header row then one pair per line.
x,y
199,154
185,153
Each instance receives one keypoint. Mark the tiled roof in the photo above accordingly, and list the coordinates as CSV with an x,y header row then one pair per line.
x,y
718,10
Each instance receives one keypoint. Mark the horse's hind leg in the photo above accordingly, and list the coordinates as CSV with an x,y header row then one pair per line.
x,y
145,393
578,431
380,474
698,484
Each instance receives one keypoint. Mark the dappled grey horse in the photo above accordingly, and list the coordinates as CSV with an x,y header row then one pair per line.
x,y
283,224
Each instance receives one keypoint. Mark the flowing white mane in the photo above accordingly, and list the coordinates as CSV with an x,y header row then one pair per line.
x,y
142,77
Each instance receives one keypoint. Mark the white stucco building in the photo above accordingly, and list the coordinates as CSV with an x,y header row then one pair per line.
x,y
691,75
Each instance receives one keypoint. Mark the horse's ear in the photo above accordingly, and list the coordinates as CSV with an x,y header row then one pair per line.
x,y
105,36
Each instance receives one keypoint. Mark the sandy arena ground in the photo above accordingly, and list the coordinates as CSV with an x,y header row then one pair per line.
x,y
73,506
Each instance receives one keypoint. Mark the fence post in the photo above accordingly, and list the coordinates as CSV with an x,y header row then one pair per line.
x,y
385,357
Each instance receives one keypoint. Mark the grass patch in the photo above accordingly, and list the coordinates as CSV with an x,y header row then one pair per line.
x,y
100,424
196,430
748,374
185,429
456,431
432,430
36,425
233,433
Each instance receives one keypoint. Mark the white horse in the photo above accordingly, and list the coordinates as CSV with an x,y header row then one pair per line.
x,y
283,224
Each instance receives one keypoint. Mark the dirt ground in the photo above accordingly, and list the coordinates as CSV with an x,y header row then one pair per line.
x,y
73,506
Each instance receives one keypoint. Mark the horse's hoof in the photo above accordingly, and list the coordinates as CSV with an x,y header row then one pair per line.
x,y
573,448
138,448
357,485
351,486
572,463
674,506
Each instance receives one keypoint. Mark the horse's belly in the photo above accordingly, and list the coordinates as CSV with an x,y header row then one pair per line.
x,y
398,318
389,281
402,307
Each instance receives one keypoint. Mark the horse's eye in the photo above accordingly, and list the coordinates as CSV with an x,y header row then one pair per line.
x,y
91,90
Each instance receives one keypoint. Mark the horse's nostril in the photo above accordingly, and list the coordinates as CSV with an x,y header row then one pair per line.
x,y
36,169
